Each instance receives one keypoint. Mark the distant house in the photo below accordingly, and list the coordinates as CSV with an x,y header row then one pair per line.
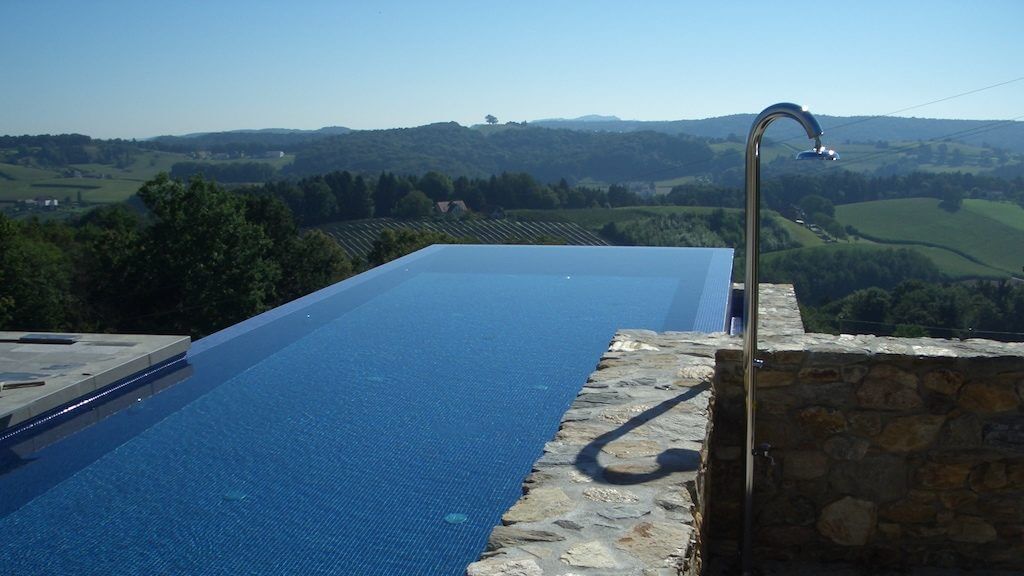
x,y
453,208
45,202
642,189
274,154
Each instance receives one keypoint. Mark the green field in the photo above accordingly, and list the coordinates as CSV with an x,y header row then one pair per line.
x,y
21,182
594,219
991,234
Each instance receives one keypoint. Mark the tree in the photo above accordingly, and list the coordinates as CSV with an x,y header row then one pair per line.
x,y
491,119
205,265
436,186
952,198
813,204
34,280
397,243
415,204
312,262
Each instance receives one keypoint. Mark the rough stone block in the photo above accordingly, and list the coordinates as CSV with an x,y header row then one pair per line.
x,y
821,421
589,555
962,501
848,521
846,447
1005,434
502,566
655,544
917,508
988,476
971,529
506,536
910,433
803,464
942,475
789,509
944,381
961,432
881,478
814,374
865,423
610,495
889,388
539,504
1002,508
986,397
774,378
854,374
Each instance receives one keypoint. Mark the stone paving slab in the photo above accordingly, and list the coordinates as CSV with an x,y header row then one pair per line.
x,y
42,371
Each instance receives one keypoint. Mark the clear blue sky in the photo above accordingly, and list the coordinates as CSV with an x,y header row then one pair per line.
x,y
140,68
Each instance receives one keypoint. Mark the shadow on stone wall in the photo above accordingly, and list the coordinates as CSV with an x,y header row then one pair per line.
x,y
668,461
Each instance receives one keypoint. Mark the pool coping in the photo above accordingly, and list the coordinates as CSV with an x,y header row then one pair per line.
x,y
72,367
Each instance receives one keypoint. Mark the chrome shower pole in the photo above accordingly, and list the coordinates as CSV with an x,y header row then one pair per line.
x,y
753,190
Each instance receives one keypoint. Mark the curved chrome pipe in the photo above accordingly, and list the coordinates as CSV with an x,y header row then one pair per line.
x,y
753,185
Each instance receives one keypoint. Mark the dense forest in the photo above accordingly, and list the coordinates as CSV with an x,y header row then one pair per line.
x,y
225,173
717,228
993,310
59,151
200,259
543,153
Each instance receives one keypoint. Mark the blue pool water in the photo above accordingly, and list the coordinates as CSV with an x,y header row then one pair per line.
x,y
380,426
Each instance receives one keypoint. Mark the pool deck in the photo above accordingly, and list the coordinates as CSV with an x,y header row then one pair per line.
x,y
616,489
43,371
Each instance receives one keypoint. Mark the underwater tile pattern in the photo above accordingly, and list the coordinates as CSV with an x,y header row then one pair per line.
x,y
385,435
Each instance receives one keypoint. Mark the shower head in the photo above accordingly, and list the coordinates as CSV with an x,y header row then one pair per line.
x,y
806,120
819,152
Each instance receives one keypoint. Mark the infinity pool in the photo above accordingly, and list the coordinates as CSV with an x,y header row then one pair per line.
x,y
379,426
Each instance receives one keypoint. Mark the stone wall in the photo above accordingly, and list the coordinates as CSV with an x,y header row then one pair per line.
x,y
884,451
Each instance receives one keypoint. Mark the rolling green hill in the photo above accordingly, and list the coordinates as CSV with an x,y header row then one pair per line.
x,y
988,234
95,183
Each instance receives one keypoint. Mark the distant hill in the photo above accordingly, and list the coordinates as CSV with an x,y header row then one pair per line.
x,y
260,140
1003,134
983,232
546,154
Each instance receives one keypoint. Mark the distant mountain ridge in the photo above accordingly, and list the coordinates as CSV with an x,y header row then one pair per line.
x,y
1000,133
325,131
838,129
249,140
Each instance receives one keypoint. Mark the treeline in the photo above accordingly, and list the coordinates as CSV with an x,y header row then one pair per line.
x,y
843,187
224,173
59,150
249,142
826,273
344,196
993,310
202,259
714,229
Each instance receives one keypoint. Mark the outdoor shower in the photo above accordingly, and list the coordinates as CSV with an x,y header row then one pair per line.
x,y
753,190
